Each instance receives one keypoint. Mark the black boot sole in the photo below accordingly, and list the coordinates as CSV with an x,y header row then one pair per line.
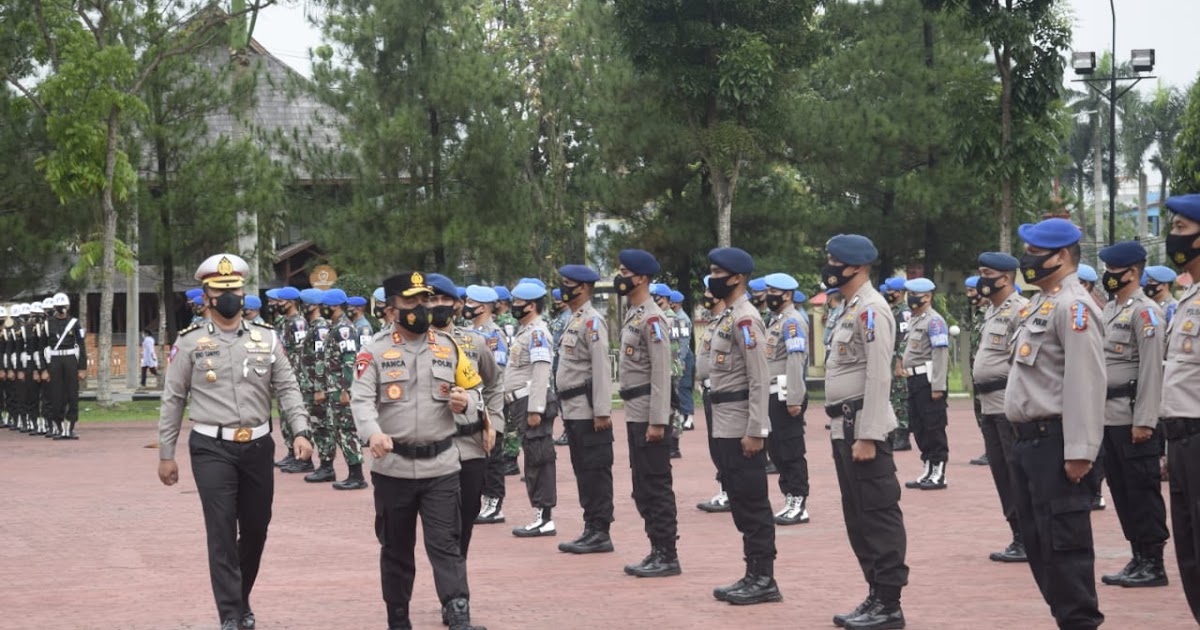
x,y
765,599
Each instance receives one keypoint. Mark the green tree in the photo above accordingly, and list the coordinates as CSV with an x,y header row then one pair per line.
x,y
1185,178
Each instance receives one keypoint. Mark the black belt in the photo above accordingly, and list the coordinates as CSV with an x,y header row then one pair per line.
x,y
1128,390
991,386
576,392
1040,428
718,398
465,430
848,409
1179,428
634,392
422,451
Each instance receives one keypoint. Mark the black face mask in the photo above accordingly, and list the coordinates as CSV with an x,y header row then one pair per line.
x,y
623,285
891,297
415,319
975,300
470,312
61,310
987,286
568,293
774,302
1151,289
915,302
758,300
441,315
1181,249
720,287
1034,268
228,305
521,311
326,312
268,310
833,275
709,302
380,313
1113,282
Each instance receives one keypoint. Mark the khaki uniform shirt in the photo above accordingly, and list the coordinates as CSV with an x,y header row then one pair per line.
x,y
787,355
1058,366
230,378
1181,396
474,345
403,390
737,361
993,360
1134,344
929,345
860,364
583,357
529,361
646,358
704,348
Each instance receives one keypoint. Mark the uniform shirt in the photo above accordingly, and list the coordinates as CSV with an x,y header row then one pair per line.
x,y
365,332
787,353
475,347
338,355
1058,366
74,337
583,357
646,358
902,315
292,332
737,361
929,345
497,342
704,349
508,324
993,360
684,324
1169,306
676,352
230,378
28,347
1133,351
403,391
312,353
529,362
860,365
1181,396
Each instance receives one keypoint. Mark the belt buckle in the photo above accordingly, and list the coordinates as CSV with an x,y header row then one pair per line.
x,y
242,435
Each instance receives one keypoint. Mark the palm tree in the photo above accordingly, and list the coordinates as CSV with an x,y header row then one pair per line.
x,y
1165,110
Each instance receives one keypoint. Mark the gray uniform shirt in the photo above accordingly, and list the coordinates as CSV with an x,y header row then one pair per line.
x,y
929,345
230,378
474,345
646,358
529,361
993,359
1181,396
583,357
737,361
1058,366
860,364
1134,344
787,354
403,390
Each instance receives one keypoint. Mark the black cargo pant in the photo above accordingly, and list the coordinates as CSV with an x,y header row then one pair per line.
x,y
236,483
1056,525
1183,461
63,390
470,480
871,509
1135,482
592,460
745,480
998,444
493,478
537,446
397,504
653,490
786,447
712,442
927,420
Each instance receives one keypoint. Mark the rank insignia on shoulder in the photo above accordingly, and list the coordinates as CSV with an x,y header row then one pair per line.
x,y
1079,317
655,324
746,326
868,320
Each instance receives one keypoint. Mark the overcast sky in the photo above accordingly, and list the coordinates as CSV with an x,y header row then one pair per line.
x,y
1168,26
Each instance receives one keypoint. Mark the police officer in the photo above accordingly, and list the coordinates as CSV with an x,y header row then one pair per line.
x,y
975,315
1133,352
6,418
990,366
857,379
585,396
253,311
225,372
478,310
292,331
893,292
1181,398
560,317
926,362
645,386
341,348
661,294
511,443
356,311
758,295
30,371
531,405
199,309
311,376
40,374
410,385
1156,283
787,361
1055,401
720,501
1088,278
66,361
383,313
741,381
687,382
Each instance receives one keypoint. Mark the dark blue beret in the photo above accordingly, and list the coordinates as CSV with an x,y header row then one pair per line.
x,y
194,293
1185,205
852,249
640,262
334,297
1123,254
999,261
441,285
462,292
356,300
579,273
1050,234
731,259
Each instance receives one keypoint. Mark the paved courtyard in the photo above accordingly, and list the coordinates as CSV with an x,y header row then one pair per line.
x,y
92,540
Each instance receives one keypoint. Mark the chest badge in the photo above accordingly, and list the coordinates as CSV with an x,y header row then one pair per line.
x,y
255,335
210,376
1025,350
394,392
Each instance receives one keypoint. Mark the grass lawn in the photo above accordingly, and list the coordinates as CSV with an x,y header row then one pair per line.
x,y
90,412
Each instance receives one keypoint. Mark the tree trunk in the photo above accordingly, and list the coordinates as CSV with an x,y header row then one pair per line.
x,y
1143,191
1098,185
723,187
168,328
161,348
108,264
133,301
1006,132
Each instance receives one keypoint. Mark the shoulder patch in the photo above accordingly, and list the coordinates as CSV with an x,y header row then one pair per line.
x,y
1079,317
362,362
171,356
939,336
868,322
539,347
747,328
656,328
793,335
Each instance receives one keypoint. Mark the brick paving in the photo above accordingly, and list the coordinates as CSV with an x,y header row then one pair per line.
x,y
92,540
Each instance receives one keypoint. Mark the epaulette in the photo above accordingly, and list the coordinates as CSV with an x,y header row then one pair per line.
x,y
190,329
263,325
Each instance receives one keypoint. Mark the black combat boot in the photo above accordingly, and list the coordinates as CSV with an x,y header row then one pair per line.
x,y
840,619
884,614
1151,571
759,586
722,592
1135,563
662,562
1014,552
248,621
298,466
353,481
598,542
458,615
323,474
288,460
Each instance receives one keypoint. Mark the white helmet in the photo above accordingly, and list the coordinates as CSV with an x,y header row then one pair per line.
x,y
35,308
60,299
3,312
48,305
20,310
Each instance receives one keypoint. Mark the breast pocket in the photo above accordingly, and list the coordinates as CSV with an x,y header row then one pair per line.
x,y
443,382
1185,346
569,342
1117,340
1028,345
631,345
394,388
842,344
721,357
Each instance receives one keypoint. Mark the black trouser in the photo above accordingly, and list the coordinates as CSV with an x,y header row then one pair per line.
x,y
997,445
397,504
537,445
28,394
787,448
1056,526
712,443
236,482
927,420
871,509
493,478
652,484
470,480
592,460
63,389
1135,482
746,483
145,369
1183,461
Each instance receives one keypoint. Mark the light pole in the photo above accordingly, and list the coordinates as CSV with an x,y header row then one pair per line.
x,y
1084,63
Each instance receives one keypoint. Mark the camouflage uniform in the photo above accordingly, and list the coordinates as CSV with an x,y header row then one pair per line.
x,y
291,331
311,375
341,349
512,440
899,391
977,322
676,374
